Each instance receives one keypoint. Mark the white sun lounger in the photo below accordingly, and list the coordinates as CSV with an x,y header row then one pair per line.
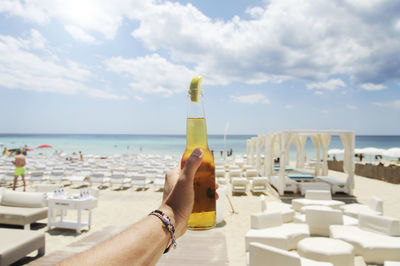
x,y
374,207
268,228
261,255
98,178
335,184
56,176
16,244
274,206
234,173
301,218
239,185
316,197
290,185
259,184
36,176
139,180
120,179
159,181
377,238
304,186
251,173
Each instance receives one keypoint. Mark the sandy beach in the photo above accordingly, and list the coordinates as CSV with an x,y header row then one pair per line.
x,y
118,209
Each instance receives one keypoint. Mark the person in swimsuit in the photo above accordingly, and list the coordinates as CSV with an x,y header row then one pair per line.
x,y
19,163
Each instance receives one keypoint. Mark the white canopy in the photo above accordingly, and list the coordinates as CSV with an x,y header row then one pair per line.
x,y
278,144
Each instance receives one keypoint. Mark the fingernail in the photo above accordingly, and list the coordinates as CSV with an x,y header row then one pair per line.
x,y
197,152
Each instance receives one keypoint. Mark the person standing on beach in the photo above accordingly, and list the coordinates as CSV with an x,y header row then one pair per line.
x,y
19,163
81,156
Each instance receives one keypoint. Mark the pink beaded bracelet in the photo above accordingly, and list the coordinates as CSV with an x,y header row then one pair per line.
x,y
168,225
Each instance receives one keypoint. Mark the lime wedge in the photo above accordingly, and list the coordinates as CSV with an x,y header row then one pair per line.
x,y
195,88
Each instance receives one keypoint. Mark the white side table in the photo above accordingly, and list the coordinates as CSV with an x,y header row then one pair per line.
x,y
64,203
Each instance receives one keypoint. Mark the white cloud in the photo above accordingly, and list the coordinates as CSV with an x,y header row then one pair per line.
x,y
331,84
98,15
318,92
139,98
378,104
390,104
289,106
153,74
80,35
397,104
352,107
21,68
373,87
251,99
310,41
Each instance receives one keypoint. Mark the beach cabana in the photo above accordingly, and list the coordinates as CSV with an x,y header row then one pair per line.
x,y
277,144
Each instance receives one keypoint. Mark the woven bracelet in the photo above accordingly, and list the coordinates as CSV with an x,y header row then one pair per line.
x,y
168,225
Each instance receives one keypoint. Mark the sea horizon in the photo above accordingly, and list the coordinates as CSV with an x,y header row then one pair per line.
x,y
164,144
170,134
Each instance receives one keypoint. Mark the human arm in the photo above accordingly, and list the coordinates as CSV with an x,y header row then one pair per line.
x,y
145,241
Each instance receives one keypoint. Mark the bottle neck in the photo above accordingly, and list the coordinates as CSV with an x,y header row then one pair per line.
x,y
196,129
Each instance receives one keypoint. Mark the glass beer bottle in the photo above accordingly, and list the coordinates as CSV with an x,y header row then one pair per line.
x,y
203,214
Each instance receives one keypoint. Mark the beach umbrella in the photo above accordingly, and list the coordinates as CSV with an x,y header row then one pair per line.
x,y
392,152
335,151
45,146
371,151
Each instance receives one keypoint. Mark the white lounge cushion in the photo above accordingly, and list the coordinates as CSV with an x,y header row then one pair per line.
x,y
297,204
261,255
374,207
380,224
259,184
285,209
265,220
319,220
235,173
290,185
391,263
239,184
284,236
24,199
347,220
318,195
219,172
16,244
251,173
304,186
336,251
374,247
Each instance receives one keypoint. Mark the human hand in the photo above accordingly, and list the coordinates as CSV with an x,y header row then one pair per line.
x,y
178,197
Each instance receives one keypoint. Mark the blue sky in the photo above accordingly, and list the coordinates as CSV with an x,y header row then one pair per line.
x,y
125,66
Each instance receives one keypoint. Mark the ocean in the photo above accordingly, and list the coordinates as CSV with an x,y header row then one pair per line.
x,y
174,145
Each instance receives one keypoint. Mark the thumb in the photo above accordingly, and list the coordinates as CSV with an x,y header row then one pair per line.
x,y
193,163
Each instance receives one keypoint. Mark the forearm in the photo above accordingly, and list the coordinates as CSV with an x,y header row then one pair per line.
x,y
141,244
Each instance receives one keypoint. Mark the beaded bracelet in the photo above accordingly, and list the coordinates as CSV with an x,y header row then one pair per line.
x,y
168,225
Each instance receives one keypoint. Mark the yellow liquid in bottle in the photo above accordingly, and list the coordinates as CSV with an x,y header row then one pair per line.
x,y
204,209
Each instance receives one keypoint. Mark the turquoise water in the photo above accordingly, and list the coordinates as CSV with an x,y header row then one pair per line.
x,y
119,144
161,144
